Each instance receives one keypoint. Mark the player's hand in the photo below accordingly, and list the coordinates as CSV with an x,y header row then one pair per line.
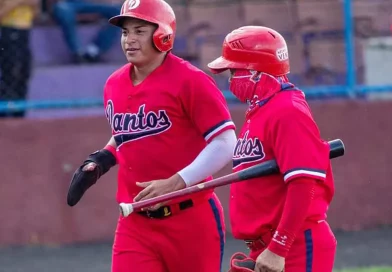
x,y
268,261
159,187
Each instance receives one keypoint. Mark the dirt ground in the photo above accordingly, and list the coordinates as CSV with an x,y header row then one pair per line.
x,y
355,249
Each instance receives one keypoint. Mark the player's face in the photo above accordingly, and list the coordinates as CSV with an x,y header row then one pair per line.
x,y
136,41
243,83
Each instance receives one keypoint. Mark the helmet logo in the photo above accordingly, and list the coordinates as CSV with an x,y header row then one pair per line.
x,y
282,54
132,4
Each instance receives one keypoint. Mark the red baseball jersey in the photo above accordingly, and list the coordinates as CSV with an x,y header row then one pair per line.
x,y
162,124
282,129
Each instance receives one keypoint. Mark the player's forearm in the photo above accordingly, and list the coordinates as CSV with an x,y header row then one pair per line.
x,y
36,6
300,193
112,142
8,6
211,159
112,146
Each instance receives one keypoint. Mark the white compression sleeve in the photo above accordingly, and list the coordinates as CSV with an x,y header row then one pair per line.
x,y
211,159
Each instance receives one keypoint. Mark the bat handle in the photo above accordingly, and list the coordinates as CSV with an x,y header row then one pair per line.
x,y
126,209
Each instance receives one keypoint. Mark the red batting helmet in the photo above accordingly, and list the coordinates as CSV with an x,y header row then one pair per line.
x,y
154,11
253,48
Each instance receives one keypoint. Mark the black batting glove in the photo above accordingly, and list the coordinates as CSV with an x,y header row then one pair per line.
x,y
84,179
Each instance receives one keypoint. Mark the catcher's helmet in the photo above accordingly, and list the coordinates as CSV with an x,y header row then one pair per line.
x,y
254,48
154,11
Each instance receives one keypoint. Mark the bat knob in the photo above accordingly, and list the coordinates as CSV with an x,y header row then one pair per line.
x,y
125,209
337,148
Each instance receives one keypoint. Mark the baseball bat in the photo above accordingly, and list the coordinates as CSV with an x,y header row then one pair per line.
x,y
266,168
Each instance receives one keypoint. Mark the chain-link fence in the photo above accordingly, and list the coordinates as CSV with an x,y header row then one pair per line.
x,y
15,66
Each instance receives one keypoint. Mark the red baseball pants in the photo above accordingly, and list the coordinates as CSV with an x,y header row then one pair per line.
x,y
191,240
312,251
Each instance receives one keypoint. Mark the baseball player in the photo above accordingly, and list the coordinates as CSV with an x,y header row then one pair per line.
x,y
171,128
282,217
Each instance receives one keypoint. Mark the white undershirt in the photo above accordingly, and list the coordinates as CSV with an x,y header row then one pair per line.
x,y
211,159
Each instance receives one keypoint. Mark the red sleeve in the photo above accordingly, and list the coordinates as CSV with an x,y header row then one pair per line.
x,y
206,107
300,193
105,99
108,107
299,151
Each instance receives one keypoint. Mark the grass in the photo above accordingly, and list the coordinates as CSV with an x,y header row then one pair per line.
x,y
367,269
